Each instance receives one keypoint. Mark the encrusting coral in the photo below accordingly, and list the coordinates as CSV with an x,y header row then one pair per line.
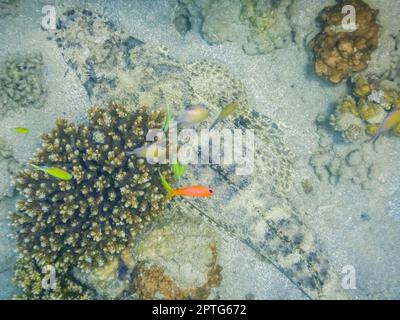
x,y
340,52
21,83
86,221
359,116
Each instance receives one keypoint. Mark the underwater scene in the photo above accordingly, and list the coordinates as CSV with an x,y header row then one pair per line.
x,y
200,149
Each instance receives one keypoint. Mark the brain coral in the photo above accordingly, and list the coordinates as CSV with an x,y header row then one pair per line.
x,y
339,52
85,221
21,83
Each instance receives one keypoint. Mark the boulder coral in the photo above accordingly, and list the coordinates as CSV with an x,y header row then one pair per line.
x,y
340,52
88,220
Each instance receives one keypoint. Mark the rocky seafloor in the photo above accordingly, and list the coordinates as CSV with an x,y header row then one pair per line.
x,y
314,197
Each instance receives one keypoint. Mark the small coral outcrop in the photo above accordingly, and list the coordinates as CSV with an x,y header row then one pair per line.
x,y
153,283
359,116
86,221
260,26
169,268
21,83
340,52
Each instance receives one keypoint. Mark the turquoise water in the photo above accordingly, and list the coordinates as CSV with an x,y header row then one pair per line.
x,y
315,216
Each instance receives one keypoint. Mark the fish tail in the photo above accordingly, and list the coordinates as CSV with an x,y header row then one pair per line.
x,y
213,124
167,186
377,135
34,166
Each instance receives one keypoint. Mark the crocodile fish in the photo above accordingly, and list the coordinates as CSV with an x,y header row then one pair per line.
x,y
113,65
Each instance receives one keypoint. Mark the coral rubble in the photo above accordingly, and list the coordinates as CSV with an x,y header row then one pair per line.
x,y
153,283
84,222
8,166
359,116
393,73
21,84
340,52
341,163
169,268
264,22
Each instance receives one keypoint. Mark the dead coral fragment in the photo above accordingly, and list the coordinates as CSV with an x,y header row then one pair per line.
x,y
153,283
338,52
86,221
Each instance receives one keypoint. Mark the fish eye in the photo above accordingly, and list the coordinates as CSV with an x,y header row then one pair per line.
x,y
211,190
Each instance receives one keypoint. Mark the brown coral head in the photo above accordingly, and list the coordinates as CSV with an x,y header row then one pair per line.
x,y
340,52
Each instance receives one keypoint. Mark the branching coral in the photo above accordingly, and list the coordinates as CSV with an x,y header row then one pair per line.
x,y
21,84
31,277
359,116
85,221
340,52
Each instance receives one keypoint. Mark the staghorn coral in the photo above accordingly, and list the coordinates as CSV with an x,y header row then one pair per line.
x,y
339,52
86,221
21,83
359,116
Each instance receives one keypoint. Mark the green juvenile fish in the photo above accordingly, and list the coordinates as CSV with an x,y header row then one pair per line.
x,y
228,110
55,172
168,117
22,130
179,170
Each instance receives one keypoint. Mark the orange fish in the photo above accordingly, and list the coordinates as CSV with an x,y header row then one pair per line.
x,y
190,191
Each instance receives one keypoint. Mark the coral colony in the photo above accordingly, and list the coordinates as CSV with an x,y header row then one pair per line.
x,y
111,197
